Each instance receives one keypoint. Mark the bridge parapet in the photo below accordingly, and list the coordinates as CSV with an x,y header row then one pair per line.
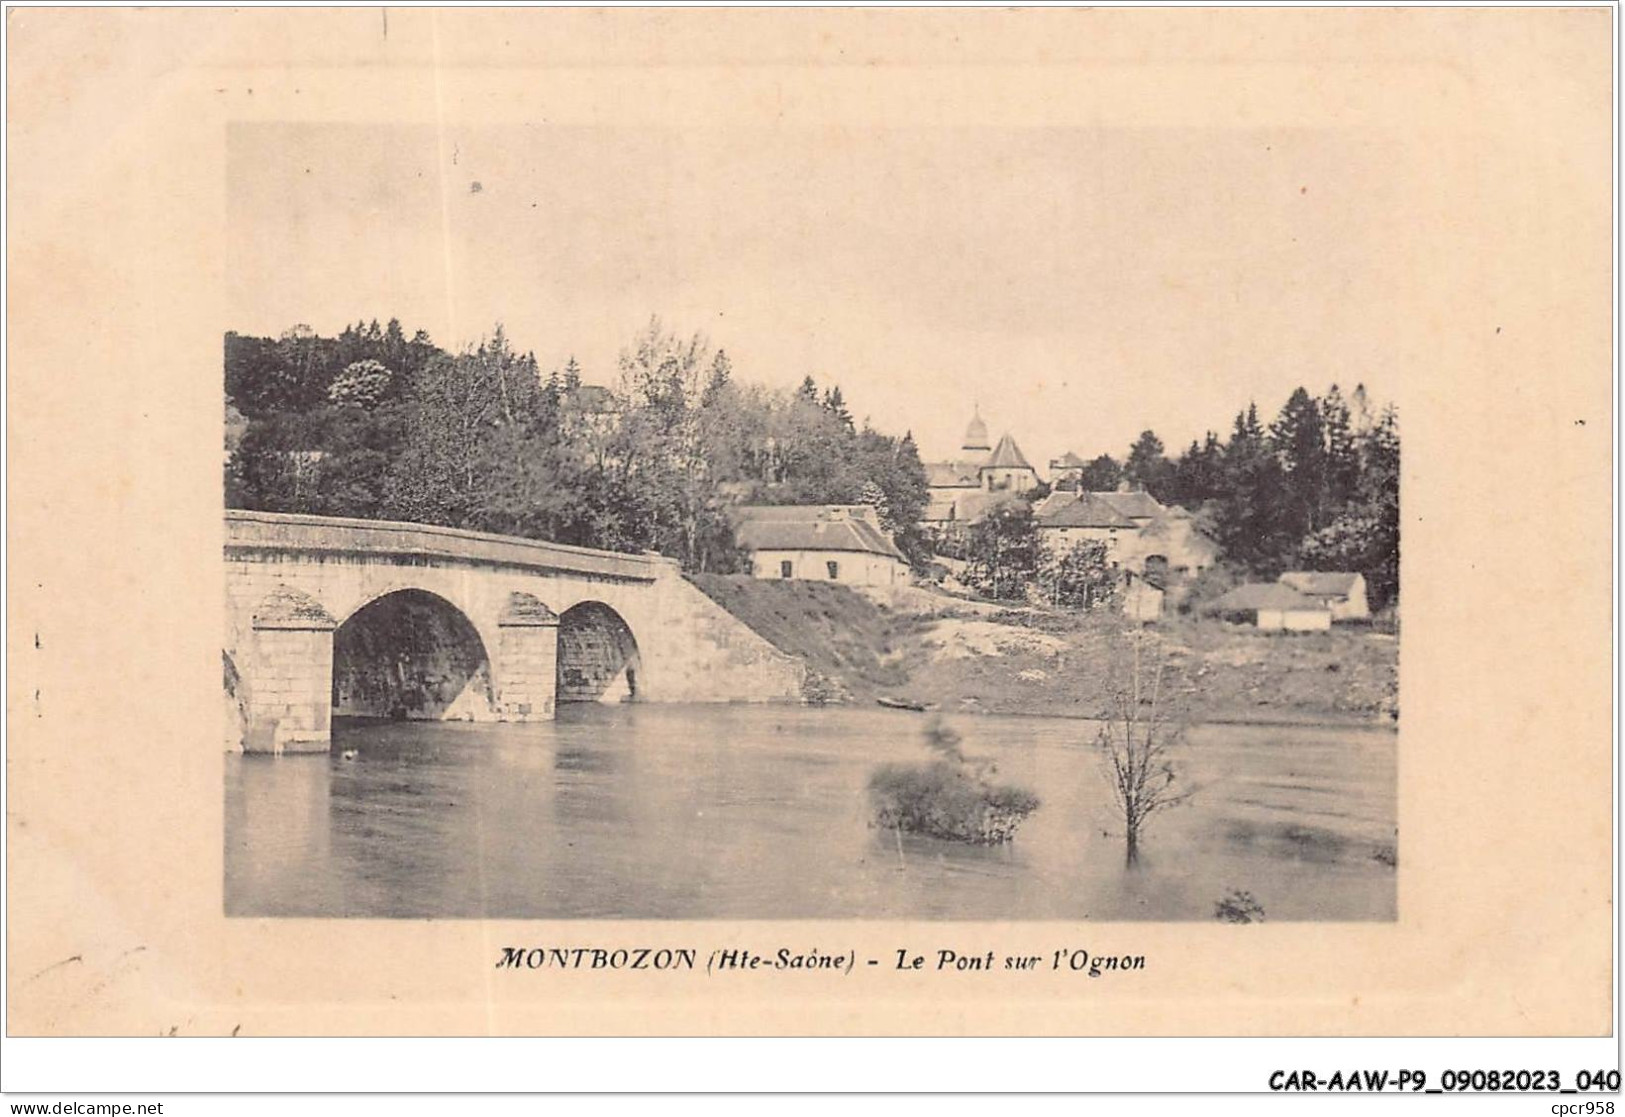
x,y
285,531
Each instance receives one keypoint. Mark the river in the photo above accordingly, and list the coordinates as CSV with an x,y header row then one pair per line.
x,y
757,812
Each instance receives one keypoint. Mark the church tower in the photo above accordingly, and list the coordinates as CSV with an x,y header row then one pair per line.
x,y
976,435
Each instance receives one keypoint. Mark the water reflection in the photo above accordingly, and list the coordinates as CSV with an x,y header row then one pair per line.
x,y
761,813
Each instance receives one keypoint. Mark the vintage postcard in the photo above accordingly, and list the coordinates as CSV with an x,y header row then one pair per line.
x,y
648,522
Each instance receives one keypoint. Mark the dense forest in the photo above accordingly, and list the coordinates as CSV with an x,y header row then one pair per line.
x,y
374,425
378,425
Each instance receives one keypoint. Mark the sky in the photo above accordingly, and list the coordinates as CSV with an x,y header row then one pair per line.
x,y
1077,285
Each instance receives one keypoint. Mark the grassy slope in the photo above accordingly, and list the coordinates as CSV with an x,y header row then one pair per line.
x,y
1229,672
838,632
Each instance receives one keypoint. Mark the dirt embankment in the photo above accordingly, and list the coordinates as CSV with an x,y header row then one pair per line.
x,y
935,649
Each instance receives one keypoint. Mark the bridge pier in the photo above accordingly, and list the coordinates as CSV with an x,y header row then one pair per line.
x,y
526,670
289,704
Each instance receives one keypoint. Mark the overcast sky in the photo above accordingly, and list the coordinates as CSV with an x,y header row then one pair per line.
x,y
1080,285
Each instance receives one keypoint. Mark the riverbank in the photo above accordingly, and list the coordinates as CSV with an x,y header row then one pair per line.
x,y
933,649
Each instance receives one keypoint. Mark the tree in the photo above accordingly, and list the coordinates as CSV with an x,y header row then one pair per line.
x,y
1342,452
835,404
1147,467
721,376
1299,438
1138,741
1002,551
457,403
1253,523
1198,476
1365,536
362,384
1078,577
1101,475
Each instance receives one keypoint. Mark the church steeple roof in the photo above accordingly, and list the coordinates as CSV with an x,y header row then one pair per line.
x,y
976,433
1007,455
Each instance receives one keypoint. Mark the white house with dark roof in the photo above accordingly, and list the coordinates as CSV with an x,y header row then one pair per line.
x,y
1341,592
1067,519
1273,606
819,542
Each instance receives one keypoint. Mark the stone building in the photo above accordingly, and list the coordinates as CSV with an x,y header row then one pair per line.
x,y
821,542
1141,534
1066,471
1178,541
963,489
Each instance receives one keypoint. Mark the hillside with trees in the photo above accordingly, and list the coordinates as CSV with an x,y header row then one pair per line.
x,y
379,425
374,425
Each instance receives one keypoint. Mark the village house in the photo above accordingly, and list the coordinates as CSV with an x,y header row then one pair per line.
x,y
1273,607
1342,593
1067,519
1142,535
823,542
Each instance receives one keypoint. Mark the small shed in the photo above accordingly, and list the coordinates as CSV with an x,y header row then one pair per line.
x,y
1342,592
1274,607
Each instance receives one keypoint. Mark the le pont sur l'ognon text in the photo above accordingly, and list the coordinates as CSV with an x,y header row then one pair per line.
x,y
729,959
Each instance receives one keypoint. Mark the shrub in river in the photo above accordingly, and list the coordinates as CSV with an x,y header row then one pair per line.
x,y
952,797
1239,907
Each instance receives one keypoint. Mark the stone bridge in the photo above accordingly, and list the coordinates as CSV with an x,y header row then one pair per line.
x,y
368,618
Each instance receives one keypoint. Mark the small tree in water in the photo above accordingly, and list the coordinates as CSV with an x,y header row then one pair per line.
x,y
1137,740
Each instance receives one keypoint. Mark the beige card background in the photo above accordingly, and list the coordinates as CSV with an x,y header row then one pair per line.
x,y
1500,314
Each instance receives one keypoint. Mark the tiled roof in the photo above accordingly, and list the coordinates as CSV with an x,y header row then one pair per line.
x,y
1081,510
1007,455
1265,595
1321,583
1140,505
1068,460
974,506
811,527
743,512
959,474
1042,506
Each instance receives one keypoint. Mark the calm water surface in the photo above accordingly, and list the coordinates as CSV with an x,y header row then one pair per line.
x,y
709,812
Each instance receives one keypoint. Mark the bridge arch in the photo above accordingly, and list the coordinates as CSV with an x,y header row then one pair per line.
x,y
598,656
409,653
